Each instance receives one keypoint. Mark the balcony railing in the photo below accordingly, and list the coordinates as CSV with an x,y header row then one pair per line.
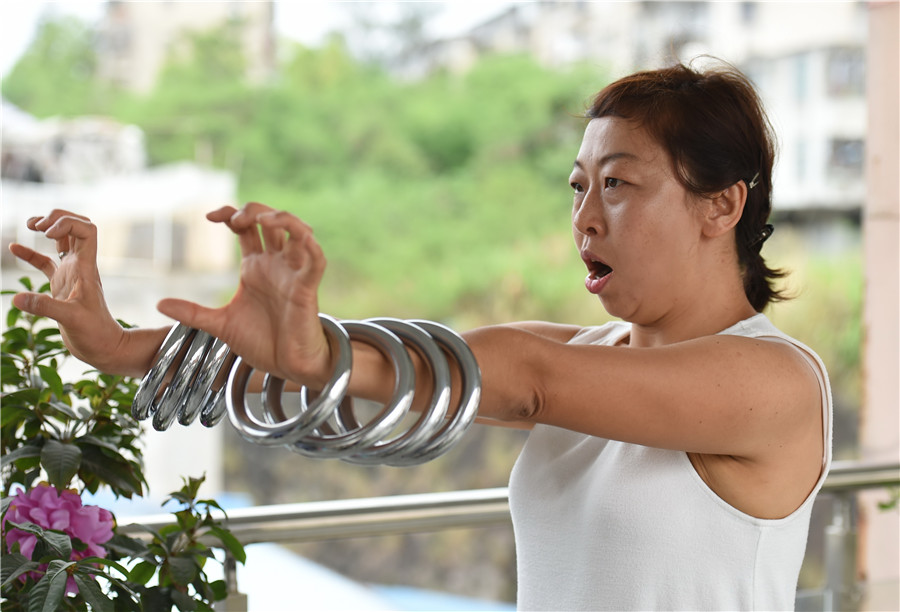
x,y
304,522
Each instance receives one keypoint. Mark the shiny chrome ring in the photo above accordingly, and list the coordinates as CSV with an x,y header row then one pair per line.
x,y
206,400
466,410
405,446
145,396
344,444
288,431
176,393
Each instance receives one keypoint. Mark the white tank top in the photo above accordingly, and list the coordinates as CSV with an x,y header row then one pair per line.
x,y
606,525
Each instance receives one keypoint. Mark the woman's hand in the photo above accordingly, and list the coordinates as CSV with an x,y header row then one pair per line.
x,y
76,299
272,321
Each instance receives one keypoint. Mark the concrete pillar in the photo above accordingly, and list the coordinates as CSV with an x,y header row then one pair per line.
x,y
879,531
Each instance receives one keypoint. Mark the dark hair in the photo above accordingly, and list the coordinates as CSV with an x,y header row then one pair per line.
x,y
716,132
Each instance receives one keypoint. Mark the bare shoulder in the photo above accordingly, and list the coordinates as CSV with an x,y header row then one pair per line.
x,y
550,331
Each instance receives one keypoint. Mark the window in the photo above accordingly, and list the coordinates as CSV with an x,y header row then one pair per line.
x,y
846,72
847,155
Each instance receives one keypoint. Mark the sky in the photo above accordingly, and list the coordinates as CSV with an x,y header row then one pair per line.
x,y
306,21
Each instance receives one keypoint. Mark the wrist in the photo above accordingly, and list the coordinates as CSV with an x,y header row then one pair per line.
x,y
134,352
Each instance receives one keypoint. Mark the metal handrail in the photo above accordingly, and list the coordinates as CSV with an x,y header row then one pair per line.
x,y
303,522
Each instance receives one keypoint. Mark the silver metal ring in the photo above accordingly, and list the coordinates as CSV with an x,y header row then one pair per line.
x,y
63,254
290,430
310,415
206,401
145,396
347,443
176,393
405,446
470,396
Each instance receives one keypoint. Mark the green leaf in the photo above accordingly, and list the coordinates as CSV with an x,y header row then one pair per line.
x,y
211,503
219,589
58,542
183,601
23,398
93,594
49,591
187,520
65,409
61,462
23,452
89,562
183,570
95,441
117,472
51,377
126,546
14,565
12,317
142,572
233,545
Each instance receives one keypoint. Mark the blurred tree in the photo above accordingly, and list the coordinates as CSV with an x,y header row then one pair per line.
x,y
57,74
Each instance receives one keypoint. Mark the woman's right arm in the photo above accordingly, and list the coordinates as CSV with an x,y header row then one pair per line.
x,y
76,301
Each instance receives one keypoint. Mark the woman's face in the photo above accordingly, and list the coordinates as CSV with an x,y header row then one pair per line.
x,y
636,227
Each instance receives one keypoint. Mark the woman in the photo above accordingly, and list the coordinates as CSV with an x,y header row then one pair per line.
x,y
674,456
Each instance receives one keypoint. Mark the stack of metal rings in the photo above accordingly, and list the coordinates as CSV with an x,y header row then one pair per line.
x,y
330,425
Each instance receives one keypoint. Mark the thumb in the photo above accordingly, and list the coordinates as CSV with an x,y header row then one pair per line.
x,y
39,304
190,314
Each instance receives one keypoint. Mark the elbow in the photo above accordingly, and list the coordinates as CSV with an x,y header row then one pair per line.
x,y
531,407
511,377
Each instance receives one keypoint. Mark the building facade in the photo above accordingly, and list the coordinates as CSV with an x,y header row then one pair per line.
x,y
137,38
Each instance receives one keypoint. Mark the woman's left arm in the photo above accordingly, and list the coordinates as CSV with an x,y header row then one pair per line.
x,y
714,395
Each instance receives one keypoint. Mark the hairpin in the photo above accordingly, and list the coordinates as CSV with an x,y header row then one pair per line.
x,y
753,183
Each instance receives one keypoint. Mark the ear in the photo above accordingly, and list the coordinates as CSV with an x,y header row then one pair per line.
x,y
723,211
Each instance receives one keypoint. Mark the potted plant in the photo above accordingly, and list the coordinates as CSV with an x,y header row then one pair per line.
x,y
62,439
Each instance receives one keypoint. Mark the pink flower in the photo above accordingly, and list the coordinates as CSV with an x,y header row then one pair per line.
x,y
62,511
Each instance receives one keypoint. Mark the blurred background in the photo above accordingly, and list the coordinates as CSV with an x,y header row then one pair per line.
x,y
429,145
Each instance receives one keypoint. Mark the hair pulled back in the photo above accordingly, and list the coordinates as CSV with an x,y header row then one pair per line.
x,y
716,132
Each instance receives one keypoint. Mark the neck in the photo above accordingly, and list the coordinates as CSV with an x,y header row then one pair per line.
x,y
715,302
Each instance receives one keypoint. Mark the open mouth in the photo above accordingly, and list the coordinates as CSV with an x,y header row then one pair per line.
x,y
599,273
597,269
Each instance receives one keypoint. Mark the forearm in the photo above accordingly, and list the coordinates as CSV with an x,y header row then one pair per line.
x,y
134,354
503,356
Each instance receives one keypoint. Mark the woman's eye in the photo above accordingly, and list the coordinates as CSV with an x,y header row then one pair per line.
x,y
576,187
612,183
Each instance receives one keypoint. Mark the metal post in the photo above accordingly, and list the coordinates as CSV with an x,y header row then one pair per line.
x,y
841,591
234,601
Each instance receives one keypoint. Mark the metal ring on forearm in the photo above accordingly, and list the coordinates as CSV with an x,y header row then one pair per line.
x,y
175,396
347,443
311,415
290,430
470,395
208,401
328,426
145,396
430,419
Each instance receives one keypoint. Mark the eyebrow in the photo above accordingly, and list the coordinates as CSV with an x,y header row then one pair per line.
x,y
608,158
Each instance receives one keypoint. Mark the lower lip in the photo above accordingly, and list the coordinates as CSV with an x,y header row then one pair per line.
x,y
596,285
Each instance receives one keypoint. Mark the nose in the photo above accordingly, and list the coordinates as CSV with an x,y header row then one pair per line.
x,y
587,216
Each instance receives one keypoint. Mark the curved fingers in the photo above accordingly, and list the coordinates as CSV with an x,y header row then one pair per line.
x,y
38,260
66,228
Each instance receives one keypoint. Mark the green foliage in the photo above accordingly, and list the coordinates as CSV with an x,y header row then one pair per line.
x,y
163,572
82,434
79,432
176,556
62,58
